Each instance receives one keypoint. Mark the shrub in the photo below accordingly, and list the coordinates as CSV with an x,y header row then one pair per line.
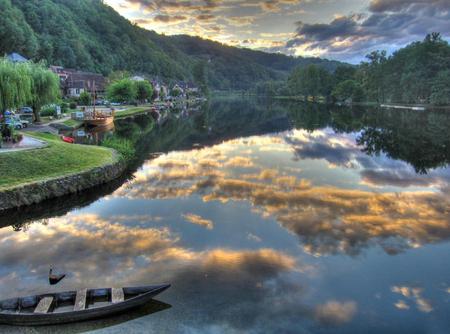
x,y
64,107
123,146
73,105
85,99
49,110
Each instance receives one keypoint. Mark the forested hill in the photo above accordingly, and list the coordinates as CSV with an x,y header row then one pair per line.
x,y
89,35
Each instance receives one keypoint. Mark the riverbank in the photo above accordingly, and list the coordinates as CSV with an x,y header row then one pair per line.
x,y
29,177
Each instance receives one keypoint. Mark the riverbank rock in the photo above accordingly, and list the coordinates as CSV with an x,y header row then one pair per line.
x,y
37,192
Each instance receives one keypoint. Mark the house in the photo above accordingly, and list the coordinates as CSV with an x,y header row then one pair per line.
x,y
74,82
79,82
16,58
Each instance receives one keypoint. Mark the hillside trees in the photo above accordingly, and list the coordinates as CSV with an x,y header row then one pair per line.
x,y
311,81
418,73
90,36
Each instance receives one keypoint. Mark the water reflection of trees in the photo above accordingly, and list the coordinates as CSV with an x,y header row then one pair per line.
x,y
419,138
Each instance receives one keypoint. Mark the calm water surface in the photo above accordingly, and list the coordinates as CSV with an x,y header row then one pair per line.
x,y
265,217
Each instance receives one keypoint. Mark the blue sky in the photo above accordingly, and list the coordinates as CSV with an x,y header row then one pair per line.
x,y
338,29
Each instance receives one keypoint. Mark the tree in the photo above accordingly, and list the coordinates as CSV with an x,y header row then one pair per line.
x,y
349,89
441,89
144,90
122,91
200,76
117,76
176,91
85,99
45,88
15,85
311,81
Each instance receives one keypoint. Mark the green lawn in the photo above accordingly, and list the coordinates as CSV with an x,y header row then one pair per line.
x,y
132,111
73,123
57,159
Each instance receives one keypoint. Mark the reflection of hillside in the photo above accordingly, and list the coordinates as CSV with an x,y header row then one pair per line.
x,y
218,121
421,139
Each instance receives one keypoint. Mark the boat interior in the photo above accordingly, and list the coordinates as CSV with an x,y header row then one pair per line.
x,y
69,301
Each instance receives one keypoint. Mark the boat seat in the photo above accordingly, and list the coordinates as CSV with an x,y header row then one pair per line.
x,y
117,295
80,300
44,305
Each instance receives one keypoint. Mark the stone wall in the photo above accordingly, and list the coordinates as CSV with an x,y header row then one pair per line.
x,y
36,192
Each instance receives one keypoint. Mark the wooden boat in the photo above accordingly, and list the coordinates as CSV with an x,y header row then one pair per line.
x,y
100,121
74,306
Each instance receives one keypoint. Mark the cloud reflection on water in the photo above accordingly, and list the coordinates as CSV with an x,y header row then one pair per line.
x,y
327,219
241,289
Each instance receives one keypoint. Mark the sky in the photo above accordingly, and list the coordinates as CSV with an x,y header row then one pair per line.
x,y
344,30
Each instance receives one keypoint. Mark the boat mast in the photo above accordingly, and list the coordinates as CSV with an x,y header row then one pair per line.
x,y
94,99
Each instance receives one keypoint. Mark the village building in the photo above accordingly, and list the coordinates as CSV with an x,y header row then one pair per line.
x,y
16,58
74,83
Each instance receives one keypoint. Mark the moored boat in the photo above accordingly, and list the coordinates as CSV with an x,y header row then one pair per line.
x,y
74,306
100,121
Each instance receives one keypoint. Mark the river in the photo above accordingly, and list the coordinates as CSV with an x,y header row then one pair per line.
x,y
266,217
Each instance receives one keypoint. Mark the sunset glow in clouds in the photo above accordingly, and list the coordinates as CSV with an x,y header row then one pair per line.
x,y
338,29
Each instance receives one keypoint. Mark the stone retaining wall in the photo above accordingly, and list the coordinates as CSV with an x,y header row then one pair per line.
x,y
36,192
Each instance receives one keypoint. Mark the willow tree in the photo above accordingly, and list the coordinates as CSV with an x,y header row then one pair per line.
x,y
15,85
45,88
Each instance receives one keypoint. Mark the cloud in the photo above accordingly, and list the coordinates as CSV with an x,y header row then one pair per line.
x,y
415,294
335,313
197,220
170,19
389,24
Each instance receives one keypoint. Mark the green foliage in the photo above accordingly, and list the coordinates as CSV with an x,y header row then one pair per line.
x,y
16,35
313,81
85,99
117,76
64,107
268,88
122,91
44,87
410,75
49,110
175,92
418,73
440,90
144,90
199,73
122,145
73,105
348,90
15,83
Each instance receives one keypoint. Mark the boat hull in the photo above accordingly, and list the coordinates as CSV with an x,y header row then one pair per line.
x,y
83,315
100,121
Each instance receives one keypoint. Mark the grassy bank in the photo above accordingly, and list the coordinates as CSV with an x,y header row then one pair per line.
x,y
132,111
73,123
56,160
